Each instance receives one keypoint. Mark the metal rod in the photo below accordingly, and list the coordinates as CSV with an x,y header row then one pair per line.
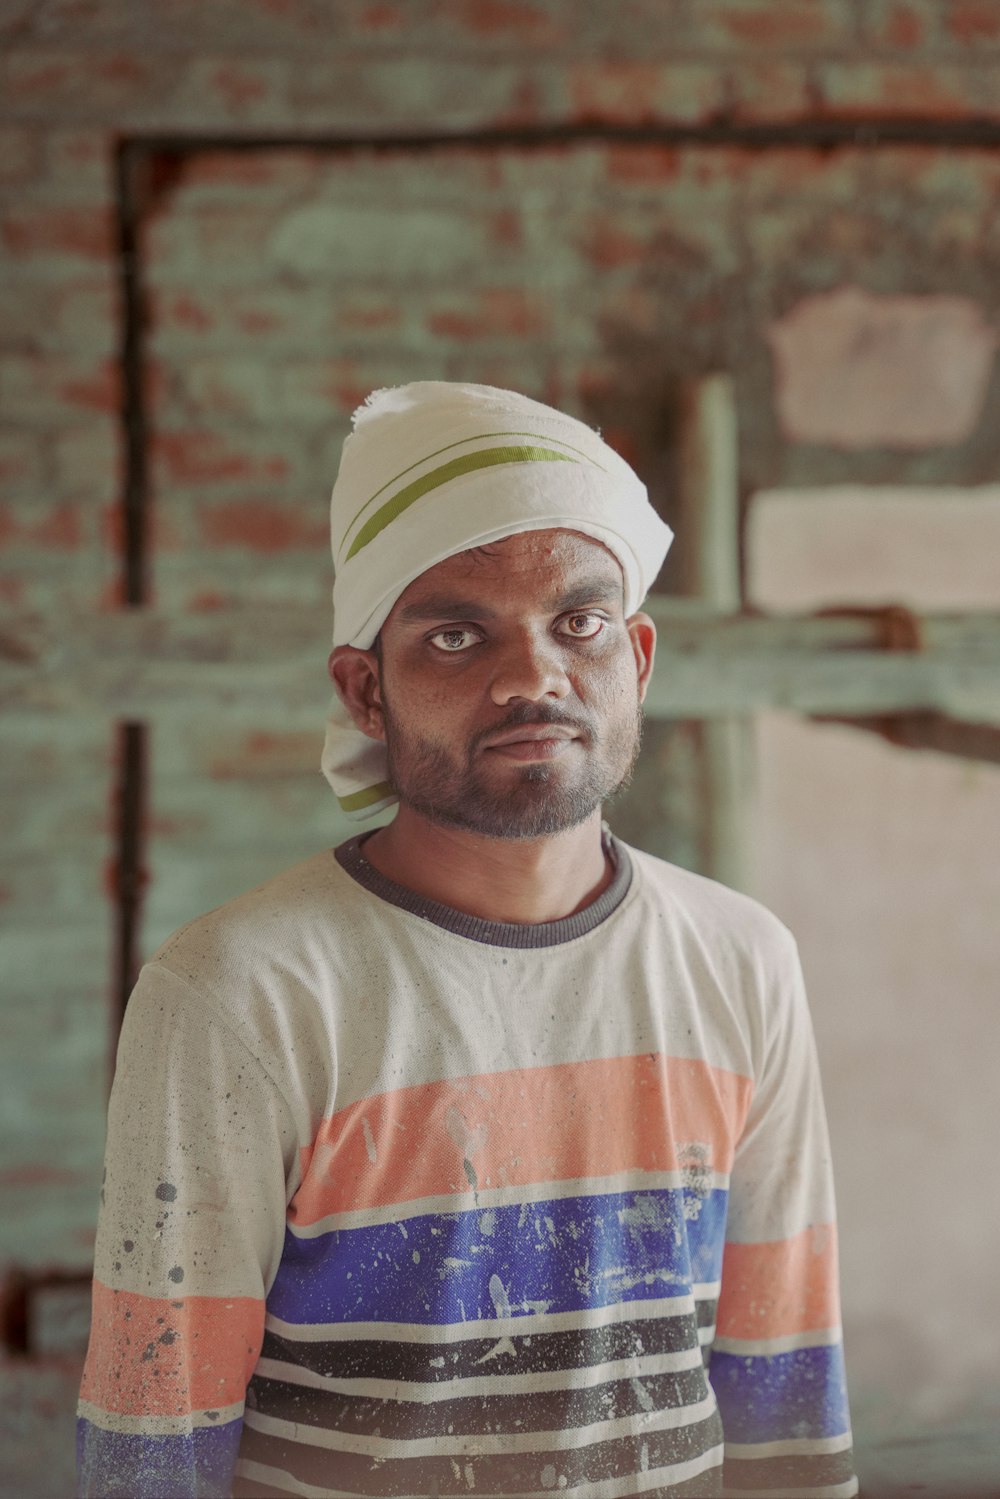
x,y
130,854
860,132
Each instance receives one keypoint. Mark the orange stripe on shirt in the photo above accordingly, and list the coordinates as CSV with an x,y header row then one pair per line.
x,y
156,1357
783,1286
513,1129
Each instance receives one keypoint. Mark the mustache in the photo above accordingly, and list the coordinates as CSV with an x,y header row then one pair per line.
x,y
534,713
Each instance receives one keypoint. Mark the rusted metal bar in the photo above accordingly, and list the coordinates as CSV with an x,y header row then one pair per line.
x,y
820,132
19,1289
930,731
129,864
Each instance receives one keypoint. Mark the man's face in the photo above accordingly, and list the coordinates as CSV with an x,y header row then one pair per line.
x,y
510,686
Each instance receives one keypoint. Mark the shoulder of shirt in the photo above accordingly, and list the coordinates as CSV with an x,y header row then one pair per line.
x,y
287,913
710,908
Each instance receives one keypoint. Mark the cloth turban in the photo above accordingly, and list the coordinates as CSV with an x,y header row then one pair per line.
x,y
435,468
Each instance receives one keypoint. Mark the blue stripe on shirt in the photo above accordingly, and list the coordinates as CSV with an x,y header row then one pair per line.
x,y
802,1394
559,1255
119,1465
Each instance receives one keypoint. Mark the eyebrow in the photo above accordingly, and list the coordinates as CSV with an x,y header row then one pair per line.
x,y
447,606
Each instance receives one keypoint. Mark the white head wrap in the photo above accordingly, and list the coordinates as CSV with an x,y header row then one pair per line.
x,y
433,469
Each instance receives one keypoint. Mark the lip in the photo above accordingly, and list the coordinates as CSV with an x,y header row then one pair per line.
x,y
533,741
530,733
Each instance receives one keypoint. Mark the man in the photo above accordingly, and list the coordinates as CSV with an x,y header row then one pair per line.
x,y
485,1156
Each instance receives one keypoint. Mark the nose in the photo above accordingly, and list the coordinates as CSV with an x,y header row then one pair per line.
x,y
529,669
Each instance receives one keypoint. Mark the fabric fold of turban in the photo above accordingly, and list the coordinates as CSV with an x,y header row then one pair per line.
x,y
436,468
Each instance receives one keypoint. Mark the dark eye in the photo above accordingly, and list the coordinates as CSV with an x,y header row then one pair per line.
x,y
454,640
582,626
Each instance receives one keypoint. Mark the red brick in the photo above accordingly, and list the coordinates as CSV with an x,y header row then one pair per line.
x,y
85,85
511,20
19,154
14,593
95,390
198,457
381,17
944,92
368,313
493,313
267,316
67,233
88,462
181,582
40,1175
226,236
900,25
111,595
42,389
181,311
642,164
225,388
409,93
47,316
56,527
770,90
167,532
258,26
794,179
254,315
262,526
20,464
972,22
592,382
607,245
86,315
80,161
37,315
505,229
263,755
221,178
638,92
235,90
207,600
199,316
314,390
180,248
792,26
525,371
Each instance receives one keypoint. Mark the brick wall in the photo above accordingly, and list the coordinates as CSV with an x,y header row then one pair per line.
x,y
281,285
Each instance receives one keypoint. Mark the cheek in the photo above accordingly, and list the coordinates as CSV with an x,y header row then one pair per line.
x,y
422,705
610,685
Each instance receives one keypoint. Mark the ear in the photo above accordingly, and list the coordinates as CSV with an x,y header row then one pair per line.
x,y
355,675
642,633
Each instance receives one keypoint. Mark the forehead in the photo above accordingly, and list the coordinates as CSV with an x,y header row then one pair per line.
x,y
527,560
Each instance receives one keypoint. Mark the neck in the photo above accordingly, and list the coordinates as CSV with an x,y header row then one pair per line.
x,y
499,879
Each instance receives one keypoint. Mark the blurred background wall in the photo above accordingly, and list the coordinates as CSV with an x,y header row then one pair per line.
x,y
223,224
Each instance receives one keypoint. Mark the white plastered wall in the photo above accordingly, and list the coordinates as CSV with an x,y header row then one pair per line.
x,y
886,864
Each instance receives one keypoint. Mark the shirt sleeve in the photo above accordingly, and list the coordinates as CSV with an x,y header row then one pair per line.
x,y
777,1364
200,1149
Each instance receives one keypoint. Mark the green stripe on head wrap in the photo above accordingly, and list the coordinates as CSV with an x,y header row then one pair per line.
x,y
467,464
356,801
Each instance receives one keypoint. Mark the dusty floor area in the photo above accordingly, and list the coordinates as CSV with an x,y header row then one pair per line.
x,y
895,1461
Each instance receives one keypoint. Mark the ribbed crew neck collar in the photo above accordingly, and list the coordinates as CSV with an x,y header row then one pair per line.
x,y
350,857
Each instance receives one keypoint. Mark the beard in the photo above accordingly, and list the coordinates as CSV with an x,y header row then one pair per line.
x,y
539,799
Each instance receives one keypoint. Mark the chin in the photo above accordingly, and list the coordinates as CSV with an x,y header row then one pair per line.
x,y
513,816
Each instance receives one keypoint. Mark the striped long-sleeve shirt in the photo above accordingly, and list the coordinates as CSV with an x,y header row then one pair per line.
x,y
400,1201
